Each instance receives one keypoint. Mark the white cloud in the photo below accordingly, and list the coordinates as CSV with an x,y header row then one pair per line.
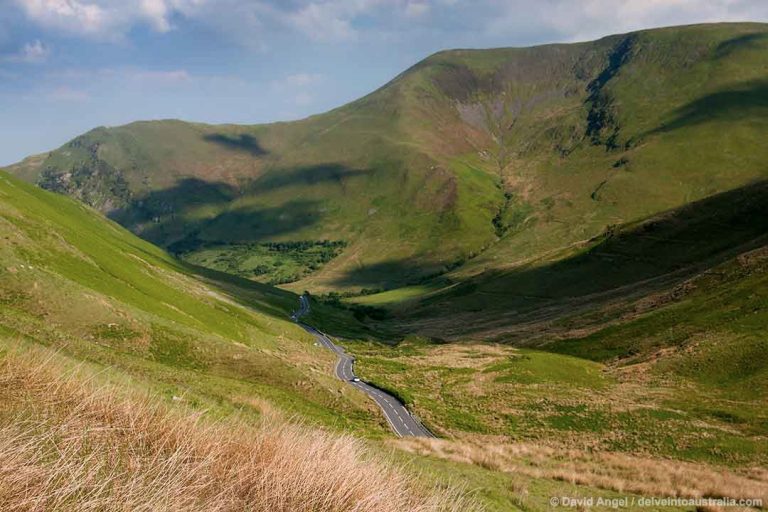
x,y
416,9
106,19
321,24
31,53
156,12
68,94
250,22
302,79
69,15
330,20
587,19
240,21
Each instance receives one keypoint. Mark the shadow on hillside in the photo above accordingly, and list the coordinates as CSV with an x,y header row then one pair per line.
x,y
243,142
748,41
645,256
190,194
308,176
747,101
186,195
163,216
387,274
240,225
171,217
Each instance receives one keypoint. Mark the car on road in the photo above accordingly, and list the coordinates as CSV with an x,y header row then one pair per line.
x,y
355,379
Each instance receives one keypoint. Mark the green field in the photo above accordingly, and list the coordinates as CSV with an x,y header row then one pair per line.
x,y
83,292
270,262
623,263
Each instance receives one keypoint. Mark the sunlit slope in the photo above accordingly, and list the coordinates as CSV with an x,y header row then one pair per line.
x,y
471,159
72,280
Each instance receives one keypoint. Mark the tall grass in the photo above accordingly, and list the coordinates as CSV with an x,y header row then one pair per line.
x,y
67,443
606,470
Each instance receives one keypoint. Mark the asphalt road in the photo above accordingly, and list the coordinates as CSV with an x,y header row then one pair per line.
x,y
402,422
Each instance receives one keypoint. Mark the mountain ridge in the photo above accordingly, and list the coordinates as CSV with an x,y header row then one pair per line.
x,y
516,150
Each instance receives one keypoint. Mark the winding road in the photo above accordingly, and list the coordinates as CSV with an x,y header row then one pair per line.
x,y
399,418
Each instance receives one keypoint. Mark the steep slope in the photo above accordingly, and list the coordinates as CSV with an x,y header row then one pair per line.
x,y
711,329
477,159
622,264
74,281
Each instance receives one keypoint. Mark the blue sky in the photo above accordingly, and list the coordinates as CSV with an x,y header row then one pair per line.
x,y
69,65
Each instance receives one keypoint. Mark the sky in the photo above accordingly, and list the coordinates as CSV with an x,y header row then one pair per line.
x,y
67,66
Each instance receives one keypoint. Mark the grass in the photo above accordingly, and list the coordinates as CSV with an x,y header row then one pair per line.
x,y
614,237
271,263
471,391
608,471
677,373
475,388
212,376
71,442
75,282
623,263
393,297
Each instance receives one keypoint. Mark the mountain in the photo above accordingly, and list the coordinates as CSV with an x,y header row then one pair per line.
x,y
555,256
470,161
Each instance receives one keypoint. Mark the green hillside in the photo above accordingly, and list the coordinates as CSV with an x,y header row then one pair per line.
x,y
130,378
471,159
676,373
72,281
623,263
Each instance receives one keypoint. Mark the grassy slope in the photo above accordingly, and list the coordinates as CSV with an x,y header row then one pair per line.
x,y
680,376
118,311
73,440
680,137
486,393
623,263
409,175
711,332
83,285
689,378
674,366
303,188
676,373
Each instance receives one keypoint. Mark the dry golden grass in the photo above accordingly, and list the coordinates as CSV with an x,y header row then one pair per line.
x,y
606,470
68,444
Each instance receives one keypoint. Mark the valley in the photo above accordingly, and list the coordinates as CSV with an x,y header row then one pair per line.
x,y
549,266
